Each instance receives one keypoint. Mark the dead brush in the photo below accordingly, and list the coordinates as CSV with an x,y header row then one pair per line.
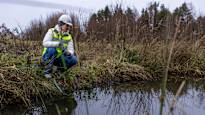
x,y
187,57
124,72
20,83
110,72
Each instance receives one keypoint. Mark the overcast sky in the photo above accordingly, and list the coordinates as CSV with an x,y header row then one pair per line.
x,y
21,12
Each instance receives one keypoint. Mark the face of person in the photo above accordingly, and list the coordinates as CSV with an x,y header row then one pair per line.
x,y
65,28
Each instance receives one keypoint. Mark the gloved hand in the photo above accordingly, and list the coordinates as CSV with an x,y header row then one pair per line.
x,y
67,53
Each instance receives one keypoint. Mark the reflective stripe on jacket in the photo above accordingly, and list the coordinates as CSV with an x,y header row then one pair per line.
x,y
57,37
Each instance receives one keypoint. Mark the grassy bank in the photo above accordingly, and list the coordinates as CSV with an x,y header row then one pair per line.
x,y
22,82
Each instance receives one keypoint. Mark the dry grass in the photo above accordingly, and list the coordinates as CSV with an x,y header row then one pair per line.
x,y
20,82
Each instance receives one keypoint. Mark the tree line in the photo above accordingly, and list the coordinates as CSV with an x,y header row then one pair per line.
x,y
114,24
155,22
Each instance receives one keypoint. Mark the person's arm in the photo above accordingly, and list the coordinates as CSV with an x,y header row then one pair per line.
x,y
70,48
47,41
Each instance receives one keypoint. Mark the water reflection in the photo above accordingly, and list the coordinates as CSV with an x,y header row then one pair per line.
x,y
141,98
64,106
125,99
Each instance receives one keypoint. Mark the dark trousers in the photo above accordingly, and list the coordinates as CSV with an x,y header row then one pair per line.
x,y
50,59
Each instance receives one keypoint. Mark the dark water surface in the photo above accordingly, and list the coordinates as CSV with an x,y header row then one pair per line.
x,y
125,99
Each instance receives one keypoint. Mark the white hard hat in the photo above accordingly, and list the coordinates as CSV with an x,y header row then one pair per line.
x,y
65,19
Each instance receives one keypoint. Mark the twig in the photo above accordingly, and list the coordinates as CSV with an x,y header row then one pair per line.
x,y
173,104
2,77
40,97
2,97
164,82
57,109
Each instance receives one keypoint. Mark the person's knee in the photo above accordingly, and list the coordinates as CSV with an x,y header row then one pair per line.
x,y
49,53
52,51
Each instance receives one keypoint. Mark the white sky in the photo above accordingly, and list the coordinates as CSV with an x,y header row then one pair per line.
x,y
21,12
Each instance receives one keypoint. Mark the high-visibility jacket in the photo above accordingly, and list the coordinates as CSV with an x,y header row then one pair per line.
x,y
56,36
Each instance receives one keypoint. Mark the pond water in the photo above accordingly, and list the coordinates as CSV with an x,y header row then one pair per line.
x,y
126,99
